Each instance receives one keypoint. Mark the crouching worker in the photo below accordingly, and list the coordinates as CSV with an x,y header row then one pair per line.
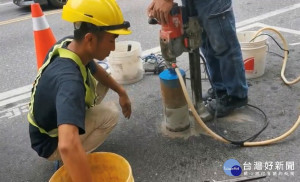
x,y
64,121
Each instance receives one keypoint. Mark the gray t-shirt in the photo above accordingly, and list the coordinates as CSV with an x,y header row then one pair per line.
x,y
59,99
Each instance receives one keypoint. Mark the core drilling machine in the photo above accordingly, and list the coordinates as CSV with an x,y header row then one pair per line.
x,y
181,34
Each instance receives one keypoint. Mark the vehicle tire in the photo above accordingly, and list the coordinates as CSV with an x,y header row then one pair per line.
x,y
57,3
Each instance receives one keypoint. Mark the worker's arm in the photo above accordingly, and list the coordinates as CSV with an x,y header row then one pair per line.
x,y
73,154
160,10
104,78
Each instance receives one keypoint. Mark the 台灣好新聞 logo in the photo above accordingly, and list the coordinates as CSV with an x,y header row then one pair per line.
x,y
232,167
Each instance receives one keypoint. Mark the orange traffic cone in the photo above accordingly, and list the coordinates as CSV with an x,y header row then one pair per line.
x,y
43,36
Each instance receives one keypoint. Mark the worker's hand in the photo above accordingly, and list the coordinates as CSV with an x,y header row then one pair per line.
x,y
160,10
125,104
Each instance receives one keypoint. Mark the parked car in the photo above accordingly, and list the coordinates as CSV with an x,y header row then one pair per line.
x,y
55,3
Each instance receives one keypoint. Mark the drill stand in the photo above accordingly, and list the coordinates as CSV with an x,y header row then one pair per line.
x,y
196,85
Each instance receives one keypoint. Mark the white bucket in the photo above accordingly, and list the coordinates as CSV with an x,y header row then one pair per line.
x,y
254,53
126,63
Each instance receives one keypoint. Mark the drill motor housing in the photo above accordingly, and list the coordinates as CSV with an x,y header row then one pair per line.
x,y
181,34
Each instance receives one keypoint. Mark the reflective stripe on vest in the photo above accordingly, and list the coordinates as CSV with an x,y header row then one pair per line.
x,y
86,75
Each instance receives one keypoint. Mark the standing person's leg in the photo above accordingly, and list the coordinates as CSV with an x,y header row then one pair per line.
x,y
223,54
213,67
204,9
223,48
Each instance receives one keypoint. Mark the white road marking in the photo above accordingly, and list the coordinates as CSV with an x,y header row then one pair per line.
x,y
268,15
294,44
247,27
262,25
15,92
280,29
15,99
8,3
14,111
154,50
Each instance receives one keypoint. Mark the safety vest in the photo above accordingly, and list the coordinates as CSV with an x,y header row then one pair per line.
x,y
90,94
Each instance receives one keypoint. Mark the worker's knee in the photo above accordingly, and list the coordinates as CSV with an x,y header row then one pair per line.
x,y
109,113
104,115
113,112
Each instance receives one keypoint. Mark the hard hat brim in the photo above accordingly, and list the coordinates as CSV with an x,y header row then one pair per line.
x,y
120,31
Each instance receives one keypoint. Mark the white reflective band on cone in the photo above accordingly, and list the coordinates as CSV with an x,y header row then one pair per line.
x,y
40,23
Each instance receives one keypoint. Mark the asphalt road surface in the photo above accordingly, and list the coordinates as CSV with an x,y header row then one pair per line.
x,y
154,154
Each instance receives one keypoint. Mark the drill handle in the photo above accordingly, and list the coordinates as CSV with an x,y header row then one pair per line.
x,y
175,10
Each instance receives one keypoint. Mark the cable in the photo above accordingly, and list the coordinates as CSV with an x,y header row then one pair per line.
x,y
241,142
266,123
220,138
272,39
285,47
246,144
157,61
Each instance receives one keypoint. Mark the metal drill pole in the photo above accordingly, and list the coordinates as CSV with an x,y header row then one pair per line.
x,y
196,84
195,75
194,58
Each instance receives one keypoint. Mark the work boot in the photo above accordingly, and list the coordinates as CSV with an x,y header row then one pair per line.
x,y
225,105
210,94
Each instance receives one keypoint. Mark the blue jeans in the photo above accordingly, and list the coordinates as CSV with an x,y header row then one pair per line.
x,y
220,46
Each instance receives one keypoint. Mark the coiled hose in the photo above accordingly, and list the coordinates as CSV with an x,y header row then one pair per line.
x,y
246,144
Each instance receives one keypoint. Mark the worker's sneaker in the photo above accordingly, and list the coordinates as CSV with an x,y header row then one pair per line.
x,y
224,105
210,94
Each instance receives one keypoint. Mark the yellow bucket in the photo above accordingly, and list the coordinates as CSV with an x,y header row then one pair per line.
x,y
105,166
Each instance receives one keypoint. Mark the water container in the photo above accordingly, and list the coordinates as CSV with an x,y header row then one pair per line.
x,y
254,53
126,63
105,167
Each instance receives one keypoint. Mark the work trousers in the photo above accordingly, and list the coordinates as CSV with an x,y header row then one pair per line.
x,y
220,45
99,122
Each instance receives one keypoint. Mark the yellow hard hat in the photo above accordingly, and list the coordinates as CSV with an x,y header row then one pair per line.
x,y
106,14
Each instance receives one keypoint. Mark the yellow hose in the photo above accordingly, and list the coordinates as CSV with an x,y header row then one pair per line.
x,y
247,144
285,47
195,114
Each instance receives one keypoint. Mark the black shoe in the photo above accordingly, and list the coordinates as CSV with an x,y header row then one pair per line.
x,y
210,94
225,105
